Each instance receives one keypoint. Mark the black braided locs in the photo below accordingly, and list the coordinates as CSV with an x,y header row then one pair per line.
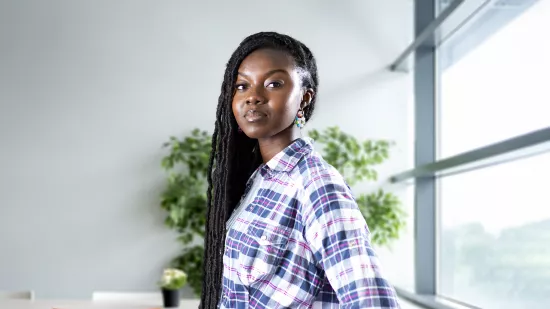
x,y
234,156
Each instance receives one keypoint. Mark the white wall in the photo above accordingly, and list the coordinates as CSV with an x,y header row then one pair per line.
x,y
91,89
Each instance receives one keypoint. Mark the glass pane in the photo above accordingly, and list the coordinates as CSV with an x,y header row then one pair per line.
x,y
495,79
495,235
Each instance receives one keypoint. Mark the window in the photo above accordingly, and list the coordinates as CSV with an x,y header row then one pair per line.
x,y
494,229
492,221
494,85
495,235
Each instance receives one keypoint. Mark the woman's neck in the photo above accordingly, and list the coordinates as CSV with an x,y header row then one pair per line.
x,y
270,147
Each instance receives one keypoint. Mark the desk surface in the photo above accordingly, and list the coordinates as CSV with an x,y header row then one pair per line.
x,y
87,304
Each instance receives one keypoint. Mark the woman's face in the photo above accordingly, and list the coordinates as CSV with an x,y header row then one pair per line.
x,y
268,93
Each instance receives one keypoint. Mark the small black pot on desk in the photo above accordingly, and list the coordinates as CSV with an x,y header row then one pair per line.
x,y
171,298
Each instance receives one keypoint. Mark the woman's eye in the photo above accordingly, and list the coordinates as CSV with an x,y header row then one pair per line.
x,y
240,86
274,85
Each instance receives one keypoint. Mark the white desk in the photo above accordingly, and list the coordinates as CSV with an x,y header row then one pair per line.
x,y
49,304
87,304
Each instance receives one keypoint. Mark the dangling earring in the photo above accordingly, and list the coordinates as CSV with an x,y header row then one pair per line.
x,y
300,120
240,130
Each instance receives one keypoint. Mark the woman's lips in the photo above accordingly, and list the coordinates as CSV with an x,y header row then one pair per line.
x,y
254,116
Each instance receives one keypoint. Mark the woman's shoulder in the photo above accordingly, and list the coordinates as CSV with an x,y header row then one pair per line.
x,y
325,191
316,172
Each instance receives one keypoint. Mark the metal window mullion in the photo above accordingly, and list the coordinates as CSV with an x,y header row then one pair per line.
x,y
425,84
425,34
503,151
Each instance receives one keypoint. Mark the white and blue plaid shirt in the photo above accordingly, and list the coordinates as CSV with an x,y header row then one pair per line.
x,y
300,241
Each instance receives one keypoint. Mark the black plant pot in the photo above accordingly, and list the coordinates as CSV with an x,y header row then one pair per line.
x,y
171,298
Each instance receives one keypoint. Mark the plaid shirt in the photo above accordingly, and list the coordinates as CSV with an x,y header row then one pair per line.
x,y
300,241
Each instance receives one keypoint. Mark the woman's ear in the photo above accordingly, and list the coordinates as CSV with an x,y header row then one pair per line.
x,y
307,97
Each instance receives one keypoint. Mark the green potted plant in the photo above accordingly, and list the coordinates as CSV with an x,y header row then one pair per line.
x,y
171,282
184,198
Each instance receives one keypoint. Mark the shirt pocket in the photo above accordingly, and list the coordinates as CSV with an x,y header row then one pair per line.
x,y
265,250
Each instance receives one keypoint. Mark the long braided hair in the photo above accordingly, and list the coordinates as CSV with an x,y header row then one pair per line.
x,y
234,156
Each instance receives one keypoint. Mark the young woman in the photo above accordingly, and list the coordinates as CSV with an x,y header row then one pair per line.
x,y
283,229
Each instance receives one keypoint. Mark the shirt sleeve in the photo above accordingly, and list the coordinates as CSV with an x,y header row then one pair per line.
x,y
338,235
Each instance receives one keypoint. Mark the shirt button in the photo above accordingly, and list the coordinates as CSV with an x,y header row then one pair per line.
x,y
264,237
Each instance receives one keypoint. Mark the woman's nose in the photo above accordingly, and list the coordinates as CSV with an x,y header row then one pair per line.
x,y
256,96
253,100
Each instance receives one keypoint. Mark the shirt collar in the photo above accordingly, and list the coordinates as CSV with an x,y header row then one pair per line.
x,y
288,158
